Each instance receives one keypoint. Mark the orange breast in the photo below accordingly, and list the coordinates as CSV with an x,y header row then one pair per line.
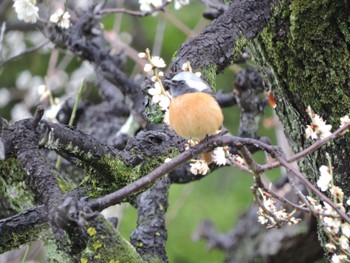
x,y
195,115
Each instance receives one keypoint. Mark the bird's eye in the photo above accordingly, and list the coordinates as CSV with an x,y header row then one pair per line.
x,y
181,83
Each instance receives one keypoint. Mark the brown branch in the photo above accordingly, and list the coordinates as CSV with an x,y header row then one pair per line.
x,y
132,12
212,142
310,149
25,52
311,187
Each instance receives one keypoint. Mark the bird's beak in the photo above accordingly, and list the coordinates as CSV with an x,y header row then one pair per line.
x,y
168,82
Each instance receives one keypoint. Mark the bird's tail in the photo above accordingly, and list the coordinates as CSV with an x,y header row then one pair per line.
x,y
207,157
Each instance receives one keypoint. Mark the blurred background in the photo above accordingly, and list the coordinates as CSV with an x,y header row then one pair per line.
x,y
27,72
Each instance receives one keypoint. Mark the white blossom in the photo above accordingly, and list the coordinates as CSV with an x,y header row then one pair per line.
x,y
149,5
148,67
158,97
199,167
142,55
179,3
325,178
164,102
338,258
344,242
330,247
345,229
185,66
158,62
219,156
26,10
332,224
198,74
52,110
262,220
324,130
166,118
337,192
294,221
310,133
60,18
318,127
344,120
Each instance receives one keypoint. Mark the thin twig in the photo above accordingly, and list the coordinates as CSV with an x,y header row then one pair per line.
x,y
311,187
132,12
310,149
217,6
27,51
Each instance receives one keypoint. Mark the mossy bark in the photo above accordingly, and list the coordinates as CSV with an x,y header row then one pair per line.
x,y
306,50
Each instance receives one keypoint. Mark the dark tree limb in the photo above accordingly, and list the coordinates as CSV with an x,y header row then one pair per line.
x,y
22,228
149,237
242,20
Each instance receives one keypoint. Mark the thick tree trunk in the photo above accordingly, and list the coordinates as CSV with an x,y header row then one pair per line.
x,y
306,48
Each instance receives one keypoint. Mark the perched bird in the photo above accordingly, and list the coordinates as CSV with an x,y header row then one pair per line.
x,y
194,113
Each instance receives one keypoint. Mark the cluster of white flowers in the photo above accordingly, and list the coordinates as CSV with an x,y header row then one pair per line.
x,y
337,230
150,5
61,18
199,167
325,179
158,93
219,155
26,10
318,127
272,216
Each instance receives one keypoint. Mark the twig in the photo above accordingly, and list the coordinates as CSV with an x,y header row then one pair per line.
x,y
118,196
311,187
27,51
72,117
132,12
212,142
309,149
217,6
38,115
2,34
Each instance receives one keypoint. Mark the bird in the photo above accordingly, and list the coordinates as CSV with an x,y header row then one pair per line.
x,y
194,112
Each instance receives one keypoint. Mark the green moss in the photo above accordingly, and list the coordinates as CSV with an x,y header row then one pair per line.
x,y
10,240
13,187
299,47
154,114
114,174
239,45
209,74
105,244
53,252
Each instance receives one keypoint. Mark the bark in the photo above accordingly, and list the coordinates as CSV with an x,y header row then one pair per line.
x,y
302,48
305,53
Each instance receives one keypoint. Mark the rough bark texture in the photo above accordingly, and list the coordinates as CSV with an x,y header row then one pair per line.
x,y
221,42
306,47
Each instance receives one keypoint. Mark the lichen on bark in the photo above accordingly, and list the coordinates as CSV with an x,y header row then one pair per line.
x,y
306,50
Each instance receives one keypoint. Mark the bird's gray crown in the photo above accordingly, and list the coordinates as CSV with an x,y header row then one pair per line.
x,y
186,82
